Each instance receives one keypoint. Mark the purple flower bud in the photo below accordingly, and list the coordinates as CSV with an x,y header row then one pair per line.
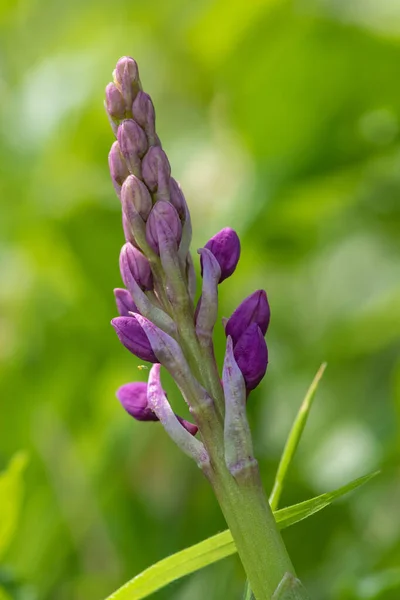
x,y
177,198
254,309
157,172
115,104
118,169
132,336
128,234
133,224
225,245
133,144
135,192
124,302
133,397
126,77
133,264
251,355
163,216
143,113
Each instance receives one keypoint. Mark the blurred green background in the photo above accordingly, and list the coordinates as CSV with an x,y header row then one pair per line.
x,y
280,119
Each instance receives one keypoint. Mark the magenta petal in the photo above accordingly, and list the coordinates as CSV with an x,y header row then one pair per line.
x,y
135,193
254,309
115,104
156,170
133,144
165,219
126,76
118,169
132,336
133,397
251,355
225,246
124,302
134,264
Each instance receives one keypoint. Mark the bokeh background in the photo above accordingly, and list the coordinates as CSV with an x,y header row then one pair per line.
x,y
281,119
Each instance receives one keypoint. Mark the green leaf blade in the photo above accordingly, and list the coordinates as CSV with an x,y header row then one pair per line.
x,y
11,490
218,547
293,439
298,512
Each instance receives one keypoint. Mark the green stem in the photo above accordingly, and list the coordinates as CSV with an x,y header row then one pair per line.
x,y
290,448
240,495
200,358
238,488
242,500
253,527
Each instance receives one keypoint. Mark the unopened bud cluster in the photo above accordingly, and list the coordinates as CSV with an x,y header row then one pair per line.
x,y
160,320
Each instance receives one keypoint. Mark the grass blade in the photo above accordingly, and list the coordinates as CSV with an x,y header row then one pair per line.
x,y
217,547
294,439
11,492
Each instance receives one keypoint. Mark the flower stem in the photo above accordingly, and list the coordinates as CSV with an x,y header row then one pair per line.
x,y
253,527
239,490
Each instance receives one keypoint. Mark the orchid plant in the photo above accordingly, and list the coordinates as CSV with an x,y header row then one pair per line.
x,y
164,323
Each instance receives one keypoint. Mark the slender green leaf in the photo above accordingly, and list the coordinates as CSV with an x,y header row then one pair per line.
x,y
10,499
294,439
4,595
217,547
298,512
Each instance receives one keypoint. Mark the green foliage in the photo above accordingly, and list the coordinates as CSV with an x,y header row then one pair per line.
x,y
11,490
4,595
220,546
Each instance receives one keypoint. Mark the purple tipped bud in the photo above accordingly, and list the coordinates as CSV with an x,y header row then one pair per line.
x,y
177,198
133,397
126,77
133,264
143,113
157,172
115,104
225,245
118,169
163,218
135,192
133,144
132,336
254,309
128,234
251,355
124,302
